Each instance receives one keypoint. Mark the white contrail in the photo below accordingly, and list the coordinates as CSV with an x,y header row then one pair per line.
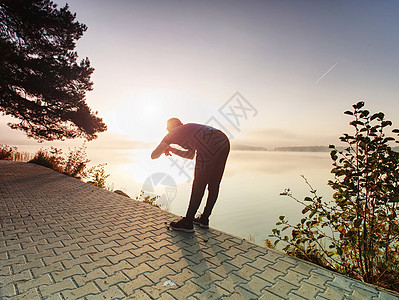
x,y
317,81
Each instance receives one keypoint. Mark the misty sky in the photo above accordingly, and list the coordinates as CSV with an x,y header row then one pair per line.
x,y
159,59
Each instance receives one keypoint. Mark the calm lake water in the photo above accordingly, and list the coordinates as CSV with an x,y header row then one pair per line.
x,y
249,203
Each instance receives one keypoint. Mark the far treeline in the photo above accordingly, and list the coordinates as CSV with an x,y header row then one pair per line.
x,y
291,149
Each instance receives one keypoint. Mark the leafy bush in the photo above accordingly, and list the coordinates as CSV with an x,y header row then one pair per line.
x,y
49,158
12,153
5,152
148,199
74,165
97,175
357,232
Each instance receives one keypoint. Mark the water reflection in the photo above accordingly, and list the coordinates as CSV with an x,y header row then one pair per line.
x,y
249,202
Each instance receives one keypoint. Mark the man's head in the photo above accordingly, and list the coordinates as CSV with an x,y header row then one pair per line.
x,y
173,123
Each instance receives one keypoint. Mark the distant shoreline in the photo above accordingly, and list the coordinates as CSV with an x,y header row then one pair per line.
x,y
291,149
283,149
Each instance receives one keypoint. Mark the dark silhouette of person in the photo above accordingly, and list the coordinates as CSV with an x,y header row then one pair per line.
x,y
211,147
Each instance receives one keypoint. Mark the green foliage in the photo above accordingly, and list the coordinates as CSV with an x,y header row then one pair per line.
x,y
6,152
12,153
49,158
357,232
41,82
147,199
74,165
76,162
98,176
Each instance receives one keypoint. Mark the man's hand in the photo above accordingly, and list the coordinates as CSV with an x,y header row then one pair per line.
x,y
167,151
162,148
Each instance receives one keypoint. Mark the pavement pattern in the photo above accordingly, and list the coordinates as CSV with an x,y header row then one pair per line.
x,y
61,238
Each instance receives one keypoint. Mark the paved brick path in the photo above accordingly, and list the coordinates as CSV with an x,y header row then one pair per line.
x,y
63,239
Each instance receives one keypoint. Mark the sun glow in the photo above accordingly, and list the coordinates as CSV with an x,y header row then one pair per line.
x,y
142,116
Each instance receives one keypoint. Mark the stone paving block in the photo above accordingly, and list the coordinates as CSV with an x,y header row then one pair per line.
x,y
103,262
8,290
257,285
116,258
241,292
22,276
128,247
17,268
212,293
122,265
112,293
157,263
136,271
75,270
308,290
142,250
159,274
294,296
98,254
56,296
137,260
160,244
247,271
83,252
39,255
304,268
233,252
282,288
131,287
317,280
387,296
294,277
20,252
224,269
48,260
72,247
25,285
155,290
166,296
47,290
88,289
259,263
360,294
105,283
19,260
239,261
32,294
207,279
341,282
270,274
181,277
332,292
183,292
177,266
267,295
83,279
102,247
84,259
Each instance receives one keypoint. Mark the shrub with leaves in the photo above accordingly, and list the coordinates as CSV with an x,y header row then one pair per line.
x,y
357,232
148,199
74,165
76,162
97,176
6,152
52,159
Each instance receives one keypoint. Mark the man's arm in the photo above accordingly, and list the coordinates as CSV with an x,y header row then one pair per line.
x,y
189,153
159,150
